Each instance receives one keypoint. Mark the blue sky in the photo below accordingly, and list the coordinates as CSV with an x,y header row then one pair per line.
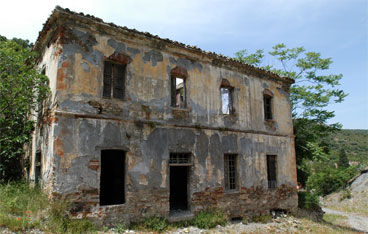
x,y
335,28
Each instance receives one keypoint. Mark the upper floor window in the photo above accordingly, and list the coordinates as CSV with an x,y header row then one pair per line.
x,y
114,80
226,97
267,102
178,92
178,87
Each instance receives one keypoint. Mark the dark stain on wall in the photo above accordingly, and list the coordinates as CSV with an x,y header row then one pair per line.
x,y
153,56
118,46
186,63
133,51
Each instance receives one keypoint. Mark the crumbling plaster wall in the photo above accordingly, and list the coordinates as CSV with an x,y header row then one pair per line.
x,y
42,137
78,149
80,79
148,129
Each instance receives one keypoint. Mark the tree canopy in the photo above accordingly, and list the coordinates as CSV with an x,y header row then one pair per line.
x,y
22,89
343,159
314,89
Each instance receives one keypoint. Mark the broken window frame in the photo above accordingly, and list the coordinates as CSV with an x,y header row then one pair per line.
x,y
225,85
182,102
180,159
267,105
271,170
231,172
114,76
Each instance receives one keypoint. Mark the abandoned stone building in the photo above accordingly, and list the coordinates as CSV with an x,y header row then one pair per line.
x,y
137,125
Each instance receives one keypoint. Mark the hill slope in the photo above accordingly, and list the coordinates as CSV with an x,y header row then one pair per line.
x,y
354,199
355,143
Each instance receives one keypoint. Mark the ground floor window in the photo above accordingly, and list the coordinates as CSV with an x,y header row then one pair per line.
x,y
112,178
230,169
271,171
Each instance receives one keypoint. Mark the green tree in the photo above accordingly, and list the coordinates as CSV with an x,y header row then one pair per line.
x,y
326,178
311,93
343,159
22,89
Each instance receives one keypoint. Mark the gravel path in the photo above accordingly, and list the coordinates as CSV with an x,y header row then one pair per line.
x,y
357,222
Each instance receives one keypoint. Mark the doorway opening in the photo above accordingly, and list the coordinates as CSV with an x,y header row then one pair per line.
x,y
178,188
112,179
38,168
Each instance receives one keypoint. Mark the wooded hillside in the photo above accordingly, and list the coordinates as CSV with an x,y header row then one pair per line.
x,y
353,141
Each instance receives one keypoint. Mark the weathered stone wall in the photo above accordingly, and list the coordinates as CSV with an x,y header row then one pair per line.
x,y
77,138
80,84
78,149
42,137
82,123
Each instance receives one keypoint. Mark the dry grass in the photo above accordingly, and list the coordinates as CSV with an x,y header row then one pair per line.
x,y
283,225
358,203
336,219
302,226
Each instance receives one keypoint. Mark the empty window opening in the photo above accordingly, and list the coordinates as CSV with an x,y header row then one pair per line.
x,y
271,171
112,179
38,168
227,100
230,168
178,92
267,100
180,159
236,219
275,213
114,80
178,188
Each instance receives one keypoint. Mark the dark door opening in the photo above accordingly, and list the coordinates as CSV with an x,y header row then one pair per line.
x,y
178,188
112,179
38,167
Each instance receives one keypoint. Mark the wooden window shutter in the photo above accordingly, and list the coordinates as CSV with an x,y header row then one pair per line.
x,y
173,91
107,78
119,80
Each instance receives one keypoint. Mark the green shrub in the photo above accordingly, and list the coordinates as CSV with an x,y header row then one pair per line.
x,y
23,207
17,224
120,227
19,204
345,194
246,220
328,179
208,219
60,222
261,219
20,199
182,224
153,223
308,200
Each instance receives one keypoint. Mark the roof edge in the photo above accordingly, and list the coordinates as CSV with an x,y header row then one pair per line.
x,y
43,39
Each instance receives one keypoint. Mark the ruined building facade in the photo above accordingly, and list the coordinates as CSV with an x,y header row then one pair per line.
x,y
137,125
